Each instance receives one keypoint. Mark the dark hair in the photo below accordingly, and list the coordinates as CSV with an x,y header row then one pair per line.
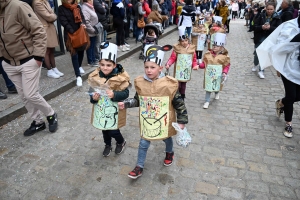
x,y
271,4
188,2
150,31
223,3
296,5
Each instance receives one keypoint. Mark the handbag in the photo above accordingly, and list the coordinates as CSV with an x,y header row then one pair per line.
x,y
141,23
98,28
78,38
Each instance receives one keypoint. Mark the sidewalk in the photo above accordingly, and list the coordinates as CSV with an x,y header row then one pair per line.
x,y
12,107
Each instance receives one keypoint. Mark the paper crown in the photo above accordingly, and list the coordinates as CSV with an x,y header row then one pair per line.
x,y
201,21
155,53
217,19
198,12
181,32
219,39
108,51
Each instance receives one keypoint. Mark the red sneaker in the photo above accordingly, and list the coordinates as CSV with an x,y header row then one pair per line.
x,y
169,159
136,172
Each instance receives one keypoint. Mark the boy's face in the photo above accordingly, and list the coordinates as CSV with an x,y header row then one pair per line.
x,y
107,66
152,70
184,43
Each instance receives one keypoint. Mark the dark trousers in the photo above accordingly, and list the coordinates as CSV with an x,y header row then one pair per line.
x,y
292,94
182,87
199,54
77,61
8,82
119,24
227,24
234,14
90,52
108,134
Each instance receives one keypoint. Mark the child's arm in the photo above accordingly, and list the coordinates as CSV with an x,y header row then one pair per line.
x,y
171,60
130,102
179,106
94,98
226,69
195,63
120,95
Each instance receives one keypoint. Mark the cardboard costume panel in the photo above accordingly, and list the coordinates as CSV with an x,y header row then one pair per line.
x,y
201,42
154,117
183,67
213,78
105,114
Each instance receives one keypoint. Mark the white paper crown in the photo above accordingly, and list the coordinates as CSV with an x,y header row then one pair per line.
x,y
219,39
181,32
218,19
108,51
201,21
155,53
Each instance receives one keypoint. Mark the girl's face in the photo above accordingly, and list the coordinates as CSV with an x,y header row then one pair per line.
x,y
217,49
184,43
270,10
200,25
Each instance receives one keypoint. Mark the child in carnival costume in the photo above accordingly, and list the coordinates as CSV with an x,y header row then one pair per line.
x,y
216,63
112,82
216,27
185,59
199,38
158,99
198,16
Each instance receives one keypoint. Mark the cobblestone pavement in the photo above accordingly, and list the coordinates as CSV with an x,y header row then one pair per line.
x,y
238,150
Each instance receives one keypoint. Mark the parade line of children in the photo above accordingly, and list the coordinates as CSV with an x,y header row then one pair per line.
x,y
160,98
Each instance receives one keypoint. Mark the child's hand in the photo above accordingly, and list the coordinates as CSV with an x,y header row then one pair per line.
x,y
224,75
196,67
96,96
110,94
121,105
167,66
181,126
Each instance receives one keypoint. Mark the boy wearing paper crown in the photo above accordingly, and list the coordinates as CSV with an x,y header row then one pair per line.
x,y
216,63
199,38
216,27
111,83
185,59
158,99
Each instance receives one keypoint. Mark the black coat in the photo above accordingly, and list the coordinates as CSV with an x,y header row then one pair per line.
x,y
259,34
101,13
287,14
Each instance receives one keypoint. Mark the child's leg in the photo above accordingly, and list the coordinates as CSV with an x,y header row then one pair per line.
x,y
182,87
106,137
117,135
169,144
207,96
142,152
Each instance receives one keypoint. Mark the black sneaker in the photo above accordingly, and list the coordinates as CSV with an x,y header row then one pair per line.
x,y
169,159
107,150
2,95
136,172
12,90
53,123
288,131
120,147
34,128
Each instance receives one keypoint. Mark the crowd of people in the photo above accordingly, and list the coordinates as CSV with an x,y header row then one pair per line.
x,y
160,97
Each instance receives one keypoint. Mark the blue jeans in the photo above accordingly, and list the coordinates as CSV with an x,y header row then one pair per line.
x,y
137,31
188,31
77,61
8,82
207,96
143,148
104,36
90,52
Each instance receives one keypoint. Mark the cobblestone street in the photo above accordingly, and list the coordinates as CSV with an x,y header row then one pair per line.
x,y
238,150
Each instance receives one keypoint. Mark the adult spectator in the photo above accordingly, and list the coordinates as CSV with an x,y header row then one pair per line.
x,y
155,16
147,9
164,10
22,63
217,9
235,9
100,10
47,16
173,12
287,10
71,18
169,6
128,13
204,6
187,16
267,21
91,20
224,12
9,84
138,14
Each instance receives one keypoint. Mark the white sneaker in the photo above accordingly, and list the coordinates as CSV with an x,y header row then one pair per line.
x,y
79,81
127,45
57,71
52,74
199,61
119,48
81,70
124,48
254,68
217,96
261,74
206,104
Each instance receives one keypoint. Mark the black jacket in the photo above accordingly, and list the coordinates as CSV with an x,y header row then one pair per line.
x,y
66,19
259,34
101,13
287,14
116,12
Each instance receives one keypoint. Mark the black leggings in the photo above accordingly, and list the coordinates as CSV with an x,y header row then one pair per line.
x,y
234,14
227,24
199,54
108,134
119,25
292,94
